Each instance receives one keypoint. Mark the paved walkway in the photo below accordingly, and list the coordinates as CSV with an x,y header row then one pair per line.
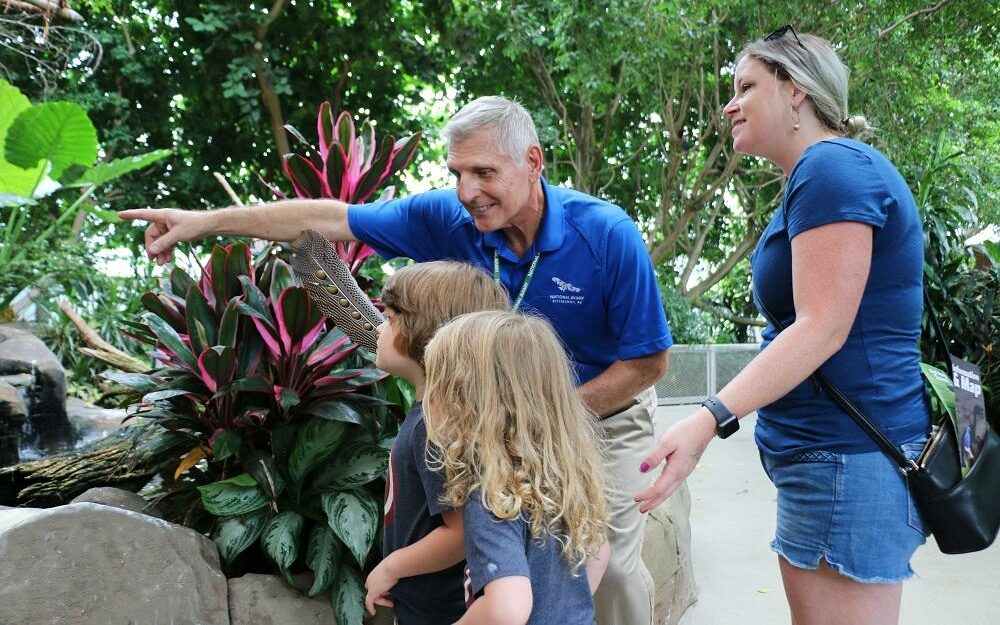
x,y
732,523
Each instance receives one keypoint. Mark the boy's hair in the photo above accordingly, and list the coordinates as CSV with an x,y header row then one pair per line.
x,y
425,296
503,416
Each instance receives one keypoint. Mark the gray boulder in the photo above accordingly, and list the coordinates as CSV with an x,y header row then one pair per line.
x,y
118,498
12,413
89,564
268,600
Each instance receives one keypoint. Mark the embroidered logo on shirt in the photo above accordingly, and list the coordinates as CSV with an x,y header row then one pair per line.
x,y
565,286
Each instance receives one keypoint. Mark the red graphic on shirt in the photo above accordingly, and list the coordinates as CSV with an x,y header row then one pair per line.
x,y
391,493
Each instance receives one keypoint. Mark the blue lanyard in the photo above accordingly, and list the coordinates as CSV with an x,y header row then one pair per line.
x,y
527,278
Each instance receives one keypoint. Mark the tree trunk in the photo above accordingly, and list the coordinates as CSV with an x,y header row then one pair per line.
x,y
125,459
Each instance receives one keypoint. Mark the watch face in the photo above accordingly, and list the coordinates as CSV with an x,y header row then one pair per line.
x,y
728,427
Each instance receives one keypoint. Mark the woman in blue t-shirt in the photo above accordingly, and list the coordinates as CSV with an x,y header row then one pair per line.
x,y
840,266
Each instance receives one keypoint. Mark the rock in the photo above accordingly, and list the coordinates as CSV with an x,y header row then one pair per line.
x,y
268,600
666,551
118,498
22,352
12,413
88,564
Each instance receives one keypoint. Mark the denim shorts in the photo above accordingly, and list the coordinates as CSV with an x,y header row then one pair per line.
x,y
853,510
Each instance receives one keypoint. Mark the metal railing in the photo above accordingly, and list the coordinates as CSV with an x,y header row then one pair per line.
x,y
697,371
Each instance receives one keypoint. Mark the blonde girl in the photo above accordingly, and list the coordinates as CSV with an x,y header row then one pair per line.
x,y
519,453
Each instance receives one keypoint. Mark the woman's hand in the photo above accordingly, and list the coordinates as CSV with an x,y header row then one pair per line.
x,y
380,581
679,448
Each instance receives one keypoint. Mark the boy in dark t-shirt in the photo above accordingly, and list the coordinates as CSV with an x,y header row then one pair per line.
x,y
421,573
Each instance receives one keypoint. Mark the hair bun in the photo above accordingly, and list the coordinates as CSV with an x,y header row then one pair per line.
x,y
855,125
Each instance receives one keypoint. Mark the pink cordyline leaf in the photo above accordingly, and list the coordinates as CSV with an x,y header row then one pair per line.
x,y
330,354
310,337
273,189
269,339
210,382
372,148
334,379
327,132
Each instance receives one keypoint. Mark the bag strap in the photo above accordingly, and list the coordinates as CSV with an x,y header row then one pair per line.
x,y
846,404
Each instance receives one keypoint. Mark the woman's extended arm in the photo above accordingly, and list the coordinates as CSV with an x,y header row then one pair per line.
x,y
830,266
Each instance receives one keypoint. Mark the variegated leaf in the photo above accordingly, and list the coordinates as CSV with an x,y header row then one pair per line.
x,y
190,459
323,557
357,464
235,533
238,495
348,597
314,444
281,538
353,517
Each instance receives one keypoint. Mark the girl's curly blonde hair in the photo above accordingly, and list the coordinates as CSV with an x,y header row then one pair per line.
x,y
503,417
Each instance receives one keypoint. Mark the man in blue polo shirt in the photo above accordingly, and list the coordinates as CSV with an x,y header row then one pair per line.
x,y
573,258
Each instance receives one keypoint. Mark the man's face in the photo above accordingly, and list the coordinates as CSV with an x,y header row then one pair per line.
x,y
492,186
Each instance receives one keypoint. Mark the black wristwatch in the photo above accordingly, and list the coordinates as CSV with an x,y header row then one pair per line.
x,y
726,422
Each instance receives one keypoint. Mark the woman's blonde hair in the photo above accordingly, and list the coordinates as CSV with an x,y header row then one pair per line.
x,y
812,64
425,296
503,416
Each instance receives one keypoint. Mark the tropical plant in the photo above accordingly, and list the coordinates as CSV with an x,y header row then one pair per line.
x,y
286,449
962,281
48,148
347,166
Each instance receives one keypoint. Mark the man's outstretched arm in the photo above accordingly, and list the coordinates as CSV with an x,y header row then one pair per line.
x,y
284,220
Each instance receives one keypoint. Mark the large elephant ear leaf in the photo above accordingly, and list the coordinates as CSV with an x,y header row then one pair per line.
x,y
57,132
281,539
323,557
353,517
348,597
234,534
14,179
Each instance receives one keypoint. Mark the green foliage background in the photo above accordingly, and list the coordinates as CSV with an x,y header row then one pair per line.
x,y
627,95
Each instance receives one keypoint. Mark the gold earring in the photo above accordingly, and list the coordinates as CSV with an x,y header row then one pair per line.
x,y
798,118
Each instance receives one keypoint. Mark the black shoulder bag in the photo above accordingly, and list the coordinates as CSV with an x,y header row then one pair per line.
x,y
963,513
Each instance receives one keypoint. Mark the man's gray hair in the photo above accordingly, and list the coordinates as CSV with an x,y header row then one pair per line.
x,y
514,129
814,66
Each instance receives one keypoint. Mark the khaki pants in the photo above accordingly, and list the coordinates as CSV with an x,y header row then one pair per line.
x,y
626,594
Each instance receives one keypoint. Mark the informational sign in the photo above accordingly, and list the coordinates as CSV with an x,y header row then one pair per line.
x,y
970,410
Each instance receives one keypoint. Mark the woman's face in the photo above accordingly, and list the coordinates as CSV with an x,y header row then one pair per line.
x,y
761,110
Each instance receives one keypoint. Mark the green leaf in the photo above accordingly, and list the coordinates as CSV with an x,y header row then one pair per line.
x,y
163,394
353,517
235,496
137,381
57,132
348,597
261,466
106,172
314,444
336,410
13,179
169,337
288,399
323,557
281,278
229,325
225,444
357,464
234,534
281,538
198,312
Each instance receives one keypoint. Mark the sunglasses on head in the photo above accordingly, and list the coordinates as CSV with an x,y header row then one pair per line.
x,y
779,33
